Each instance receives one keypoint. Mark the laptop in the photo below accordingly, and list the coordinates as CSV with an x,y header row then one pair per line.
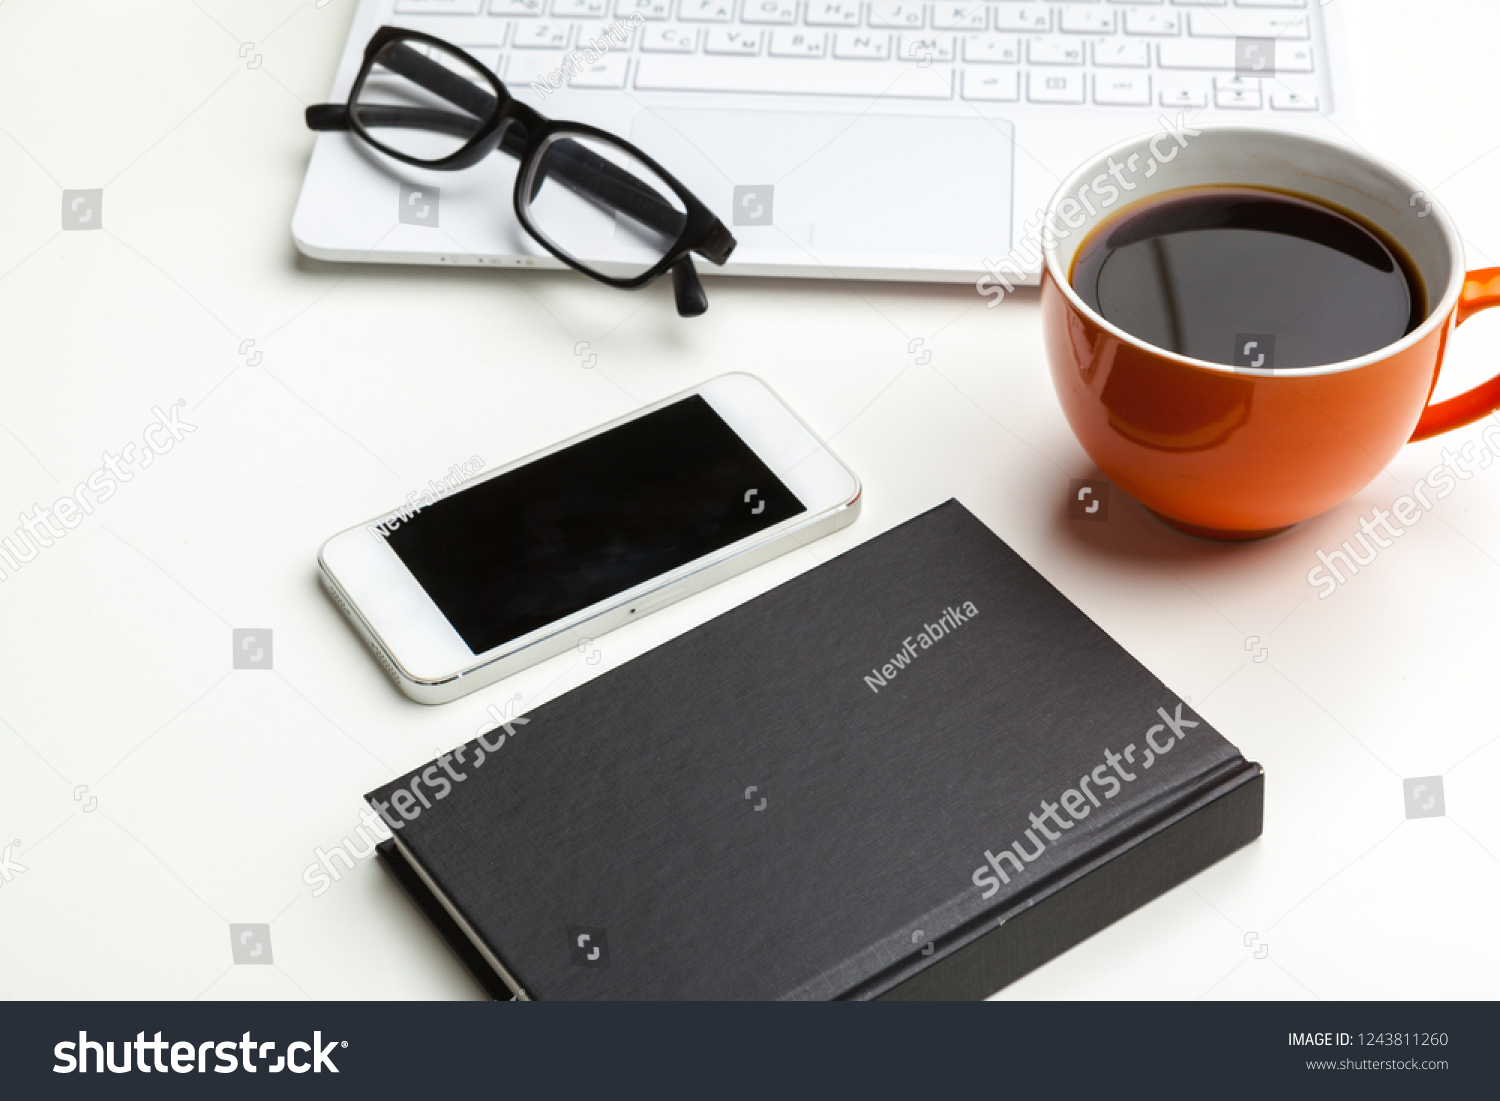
x,y
868,139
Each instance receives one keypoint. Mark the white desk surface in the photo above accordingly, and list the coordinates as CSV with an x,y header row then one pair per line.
x,y
211,788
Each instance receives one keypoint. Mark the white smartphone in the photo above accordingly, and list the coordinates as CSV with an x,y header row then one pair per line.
x,y
526,561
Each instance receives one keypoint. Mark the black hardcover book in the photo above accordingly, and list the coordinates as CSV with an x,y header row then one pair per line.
x,y
914,771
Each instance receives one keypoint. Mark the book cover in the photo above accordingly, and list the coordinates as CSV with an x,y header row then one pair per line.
x,y
916,770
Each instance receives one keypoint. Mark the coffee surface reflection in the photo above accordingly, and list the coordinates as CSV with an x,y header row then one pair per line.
x,y
1249,277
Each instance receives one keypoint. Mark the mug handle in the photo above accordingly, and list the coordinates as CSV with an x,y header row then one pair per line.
x,y
1481,291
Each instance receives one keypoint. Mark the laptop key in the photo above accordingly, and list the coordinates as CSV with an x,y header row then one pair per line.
x,y
1085,19
548,35
958,17
787,42
1023,17
997,85
924,47
1236,93
993,49
649,9
607,72
528,65
1182,91
1293,101
736,41
862,45
833,13
901,14
775,75
1122,89
1148,21
1254,24
769,11
613,33
1054,51
1061,86
706,11
1122,53
1218,53
669,40
438,7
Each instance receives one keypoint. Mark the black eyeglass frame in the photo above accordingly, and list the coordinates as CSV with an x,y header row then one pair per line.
x,y
523,132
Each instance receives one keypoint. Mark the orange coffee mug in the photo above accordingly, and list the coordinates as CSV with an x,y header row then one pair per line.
x,y
1232,452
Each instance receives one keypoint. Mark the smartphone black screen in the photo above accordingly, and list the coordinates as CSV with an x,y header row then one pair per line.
x,y
527,548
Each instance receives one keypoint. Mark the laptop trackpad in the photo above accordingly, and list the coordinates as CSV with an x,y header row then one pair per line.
x,y
842,183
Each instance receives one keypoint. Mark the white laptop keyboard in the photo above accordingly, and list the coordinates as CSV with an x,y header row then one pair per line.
x,y
1144,53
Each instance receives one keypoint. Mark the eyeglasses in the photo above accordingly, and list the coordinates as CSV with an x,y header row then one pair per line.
x,y
579,191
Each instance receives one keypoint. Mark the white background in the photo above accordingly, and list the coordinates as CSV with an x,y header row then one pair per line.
x,y
214,786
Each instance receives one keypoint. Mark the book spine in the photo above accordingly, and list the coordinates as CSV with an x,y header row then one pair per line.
x,y
1136,866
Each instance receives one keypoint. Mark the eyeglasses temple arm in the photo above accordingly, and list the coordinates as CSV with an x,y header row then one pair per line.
x,y
688,291
327,116
439,80
585,173
332,116
718,243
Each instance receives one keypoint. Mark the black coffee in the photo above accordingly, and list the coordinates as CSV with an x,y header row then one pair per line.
x,y
1249,277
